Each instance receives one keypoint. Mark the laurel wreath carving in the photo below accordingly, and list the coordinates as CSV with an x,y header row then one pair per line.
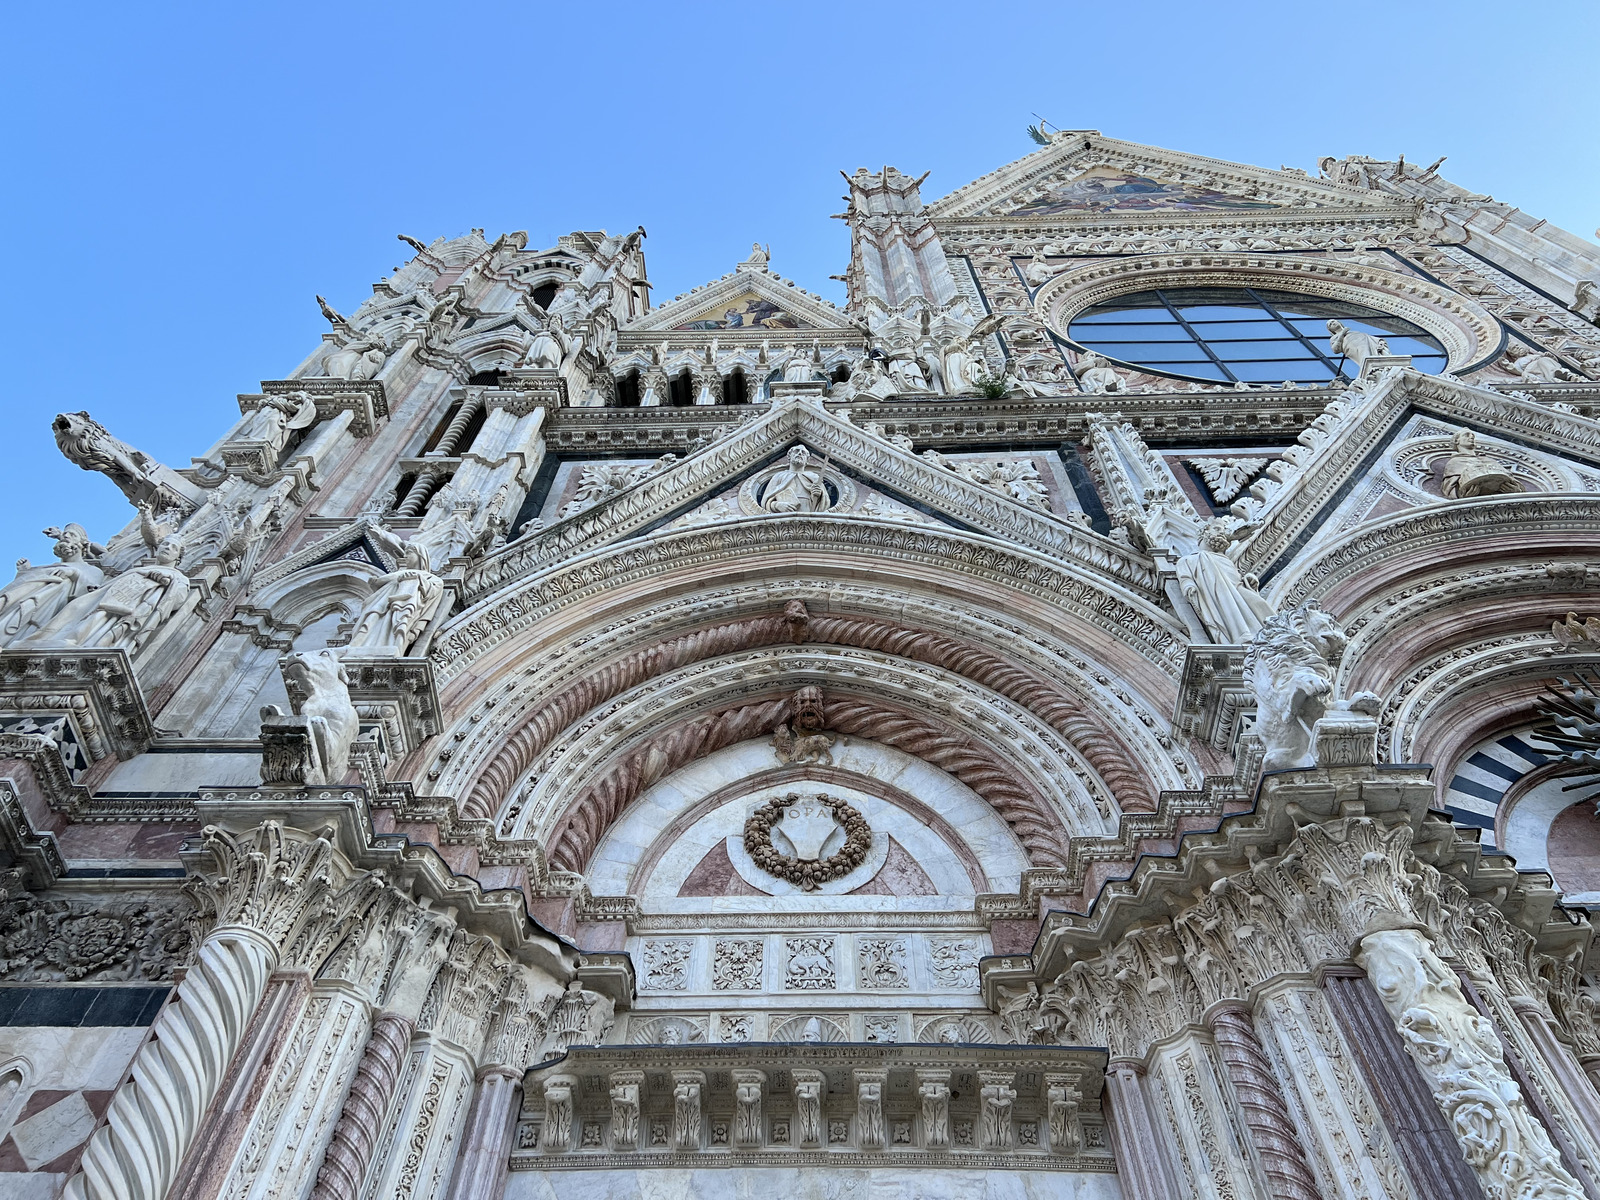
x,y
807,875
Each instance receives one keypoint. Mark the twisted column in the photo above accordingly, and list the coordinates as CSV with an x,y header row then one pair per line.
x,y
448,443
1266,1112
349,1153
418,495
153,1118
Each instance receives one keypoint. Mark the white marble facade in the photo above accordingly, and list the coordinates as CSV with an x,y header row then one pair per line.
x,y
1102,712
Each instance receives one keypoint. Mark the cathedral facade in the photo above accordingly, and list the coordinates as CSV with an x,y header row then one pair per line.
x,y
1110,711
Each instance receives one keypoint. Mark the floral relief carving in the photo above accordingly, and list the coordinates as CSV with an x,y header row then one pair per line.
x,y
666,965
884,963
71,940
808,825
736,965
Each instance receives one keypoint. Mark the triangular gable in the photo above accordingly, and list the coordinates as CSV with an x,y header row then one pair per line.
x,y
729,459
1284,519
1084,174
749,301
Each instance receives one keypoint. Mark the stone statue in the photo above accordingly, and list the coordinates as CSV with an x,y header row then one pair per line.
x,y
400,606
1470,472
797,488
869,379
356,362
1355,345
760,255
544,353
1290,665
127,612
907,371
319,691
37,594
1095,376
1586,300
1536,365
800,367
1227,603
85,441
275,420
1037,271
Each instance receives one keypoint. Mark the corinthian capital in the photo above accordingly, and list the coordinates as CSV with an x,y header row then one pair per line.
x,y
290,888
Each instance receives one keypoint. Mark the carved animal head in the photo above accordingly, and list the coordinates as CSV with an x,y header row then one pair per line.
x,y
314,673
83,440
1295,641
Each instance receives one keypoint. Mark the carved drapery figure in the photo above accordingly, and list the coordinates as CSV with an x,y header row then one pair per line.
x,y
127,612
1470,472
400,607
1096,376
1355,345
1536,364
31,600
356,362
797,488
276,419
869,379
1227,602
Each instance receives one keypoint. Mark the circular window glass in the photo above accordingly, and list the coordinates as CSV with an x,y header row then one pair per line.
x,y
1242,335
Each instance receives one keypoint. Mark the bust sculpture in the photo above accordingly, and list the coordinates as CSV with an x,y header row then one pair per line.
x,y
797,488
1470,472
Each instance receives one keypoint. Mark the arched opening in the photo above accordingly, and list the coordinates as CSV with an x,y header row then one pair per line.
x,y
544,293
680,391
839,374
735,388
628,390
489,378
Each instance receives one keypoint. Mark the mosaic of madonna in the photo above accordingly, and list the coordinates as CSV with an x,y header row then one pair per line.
x,y
1107,191
748,311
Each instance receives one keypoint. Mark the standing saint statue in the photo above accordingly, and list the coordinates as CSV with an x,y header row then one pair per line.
x,y
37,594
1226,602
400,607
127,612
797,488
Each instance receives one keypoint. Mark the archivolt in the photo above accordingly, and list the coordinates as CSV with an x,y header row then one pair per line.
x,y
1114,761
1037,826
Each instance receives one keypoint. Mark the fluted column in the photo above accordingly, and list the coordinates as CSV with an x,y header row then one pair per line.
x,y
1133,1134
1459,1055
1266,1112
350,1150
486,1141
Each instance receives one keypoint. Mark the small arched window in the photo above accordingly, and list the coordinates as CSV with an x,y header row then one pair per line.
x,y
628,390
736,388
489,378
544,293
680,392
840,373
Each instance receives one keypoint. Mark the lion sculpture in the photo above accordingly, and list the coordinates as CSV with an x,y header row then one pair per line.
x,y
142,479
319,689
1290,665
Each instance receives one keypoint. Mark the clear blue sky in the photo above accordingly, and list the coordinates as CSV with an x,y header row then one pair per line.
x,y
182,179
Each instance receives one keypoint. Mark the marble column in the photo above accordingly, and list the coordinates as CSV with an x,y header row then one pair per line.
x,y
1133,1136
1261,1100
1575,1080
485,1153
349,1153
1422,1139
1460,1058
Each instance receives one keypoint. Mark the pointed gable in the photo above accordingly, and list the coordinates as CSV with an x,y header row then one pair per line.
x,y
1083,174
750,300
